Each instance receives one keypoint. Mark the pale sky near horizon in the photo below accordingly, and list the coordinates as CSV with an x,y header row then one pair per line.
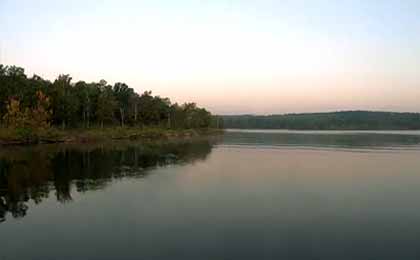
x,y
233,57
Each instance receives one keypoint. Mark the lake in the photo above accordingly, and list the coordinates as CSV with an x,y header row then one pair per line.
x,y
244,195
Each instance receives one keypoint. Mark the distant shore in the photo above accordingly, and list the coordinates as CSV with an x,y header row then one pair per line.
x,y
324,132
341,120
94,135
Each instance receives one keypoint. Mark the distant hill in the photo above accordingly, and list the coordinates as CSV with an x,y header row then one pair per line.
x,y
343,120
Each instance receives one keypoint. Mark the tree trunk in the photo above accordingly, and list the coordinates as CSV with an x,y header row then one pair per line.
x,y
84,118
88,111
122,117
88,118
135,113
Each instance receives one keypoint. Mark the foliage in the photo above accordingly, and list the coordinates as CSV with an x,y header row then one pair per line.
x,y
36,103
34,118
106,105
27,121
15,116
41,114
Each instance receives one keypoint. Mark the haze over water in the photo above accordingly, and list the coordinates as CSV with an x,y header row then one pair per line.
x,y
245,195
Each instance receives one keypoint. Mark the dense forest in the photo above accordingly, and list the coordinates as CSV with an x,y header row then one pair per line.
x,y
34,102
346,120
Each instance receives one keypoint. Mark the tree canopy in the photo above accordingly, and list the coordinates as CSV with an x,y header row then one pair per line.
x,y
81,104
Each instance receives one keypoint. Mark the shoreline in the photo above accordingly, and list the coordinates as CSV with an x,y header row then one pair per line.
x,y
10,137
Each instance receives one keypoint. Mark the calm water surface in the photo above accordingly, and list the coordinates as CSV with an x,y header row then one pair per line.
x,y
245,195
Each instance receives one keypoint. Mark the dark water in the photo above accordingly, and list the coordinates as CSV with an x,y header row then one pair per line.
x,y
246,195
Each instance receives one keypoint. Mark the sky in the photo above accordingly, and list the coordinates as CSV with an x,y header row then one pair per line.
x,y
232,57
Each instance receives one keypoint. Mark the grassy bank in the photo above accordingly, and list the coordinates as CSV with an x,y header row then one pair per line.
x,y
92,135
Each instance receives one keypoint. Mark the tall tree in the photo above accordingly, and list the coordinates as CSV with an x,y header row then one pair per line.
x,y
64,102
106,106
123,93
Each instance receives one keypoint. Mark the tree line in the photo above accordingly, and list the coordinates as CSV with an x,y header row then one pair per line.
x,y
34,101
344,120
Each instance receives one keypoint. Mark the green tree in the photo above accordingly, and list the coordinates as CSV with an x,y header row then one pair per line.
x,y
106,106
122,93
64,103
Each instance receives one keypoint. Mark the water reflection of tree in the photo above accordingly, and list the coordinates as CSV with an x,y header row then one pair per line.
x,y
32,173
